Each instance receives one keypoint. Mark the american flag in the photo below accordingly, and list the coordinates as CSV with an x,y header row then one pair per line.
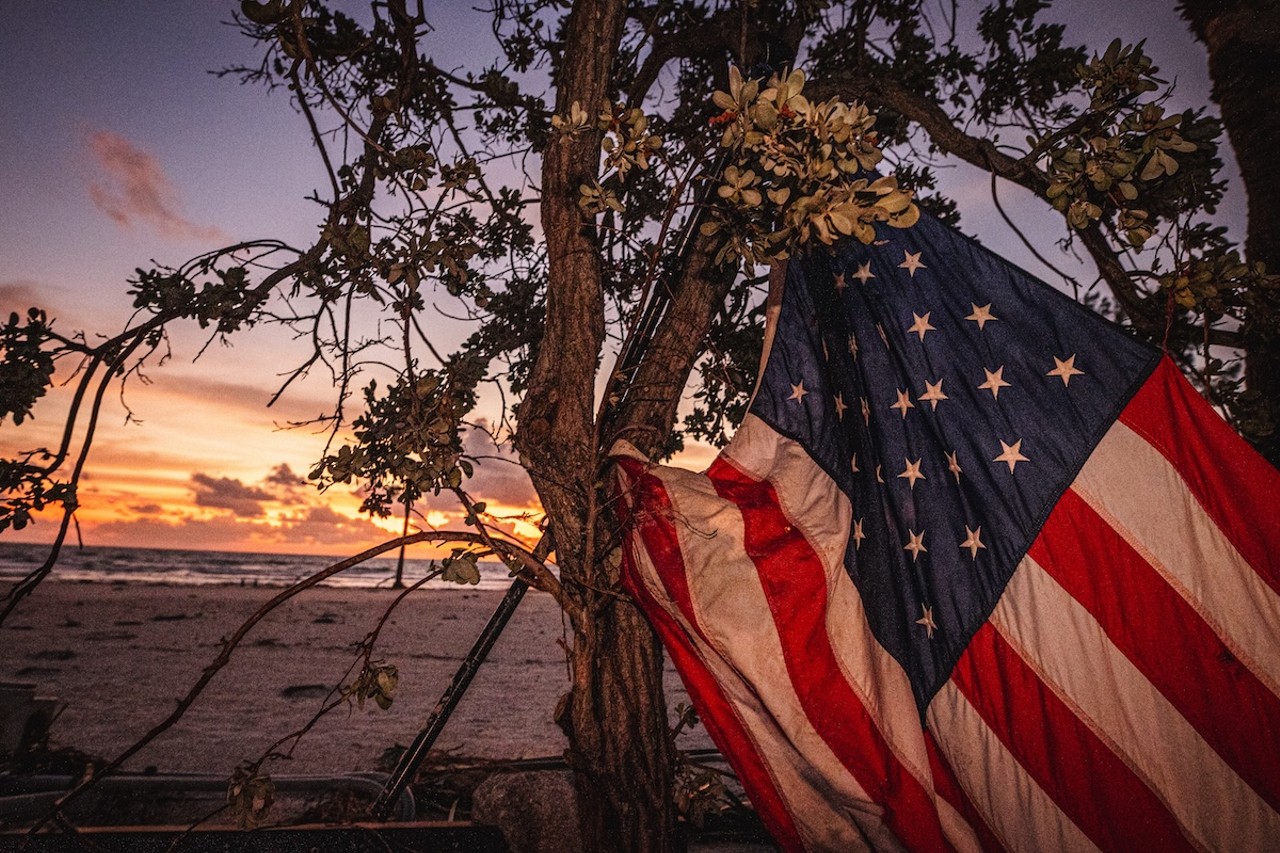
x,y
979,570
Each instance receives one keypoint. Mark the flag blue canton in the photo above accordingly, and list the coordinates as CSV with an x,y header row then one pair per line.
x,y
953,397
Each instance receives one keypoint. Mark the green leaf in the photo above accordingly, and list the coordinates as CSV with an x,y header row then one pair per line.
x,y
460,568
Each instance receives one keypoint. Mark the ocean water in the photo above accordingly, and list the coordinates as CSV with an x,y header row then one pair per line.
x,y
198,568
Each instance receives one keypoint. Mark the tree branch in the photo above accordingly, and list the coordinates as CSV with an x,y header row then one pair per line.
x,y
1144,311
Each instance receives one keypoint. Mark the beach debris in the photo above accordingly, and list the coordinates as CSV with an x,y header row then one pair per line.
x,y
24,718
109,636
54,654
249,795
174,617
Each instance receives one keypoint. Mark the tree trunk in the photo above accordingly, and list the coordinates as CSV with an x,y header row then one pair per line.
x,y
1242,38
615,716
616,721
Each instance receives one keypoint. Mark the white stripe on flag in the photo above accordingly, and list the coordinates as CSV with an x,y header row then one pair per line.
x,y
745,655
1164,522
812,502
1021,814
958,830
1067,648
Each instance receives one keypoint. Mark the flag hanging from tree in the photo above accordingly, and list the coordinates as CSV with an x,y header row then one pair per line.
x,y
979,570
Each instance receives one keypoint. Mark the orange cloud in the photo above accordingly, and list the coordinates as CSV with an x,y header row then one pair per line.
x,y
135,189
19,295
315,530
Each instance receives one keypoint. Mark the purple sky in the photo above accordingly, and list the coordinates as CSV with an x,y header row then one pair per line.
x,y
119,146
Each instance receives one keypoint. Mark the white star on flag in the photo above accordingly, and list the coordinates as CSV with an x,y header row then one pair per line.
x,y
797,391
995,381
953,465
911,263
1065,369
933,394
864,272
904,402
921,324
1012,454
973,540
912,473
927,620
840,406
981,315
916,545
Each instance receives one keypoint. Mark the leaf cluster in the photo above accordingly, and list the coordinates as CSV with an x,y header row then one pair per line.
x,y
1120,160
225,300
798,174
250,795
27,489
26,364
406,443
377,681
460,566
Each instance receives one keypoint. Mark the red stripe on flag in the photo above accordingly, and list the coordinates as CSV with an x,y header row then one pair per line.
x,y
1140,613
795,585
1091,785
948,787
660,536
1235,486
653,531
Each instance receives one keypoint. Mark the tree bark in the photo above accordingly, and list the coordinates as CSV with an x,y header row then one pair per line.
x,y
615,715
652,396
1242,38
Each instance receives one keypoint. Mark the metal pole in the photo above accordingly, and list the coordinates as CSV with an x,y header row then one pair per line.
x,y
417,752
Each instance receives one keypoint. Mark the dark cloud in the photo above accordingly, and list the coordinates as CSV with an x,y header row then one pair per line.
x,y
283,475
309,530
146,509
322,516
227,493
216,534
134,189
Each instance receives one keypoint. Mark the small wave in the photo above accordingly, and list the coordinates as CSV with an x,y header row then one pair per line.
x,y
205,568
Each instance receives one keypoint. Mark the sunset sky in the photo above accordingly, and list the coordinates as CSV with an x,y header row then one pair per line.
x,y
119,147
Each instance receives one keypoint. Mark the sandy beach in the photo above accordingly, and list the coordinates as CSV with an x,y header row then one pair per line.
x,y
120,655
